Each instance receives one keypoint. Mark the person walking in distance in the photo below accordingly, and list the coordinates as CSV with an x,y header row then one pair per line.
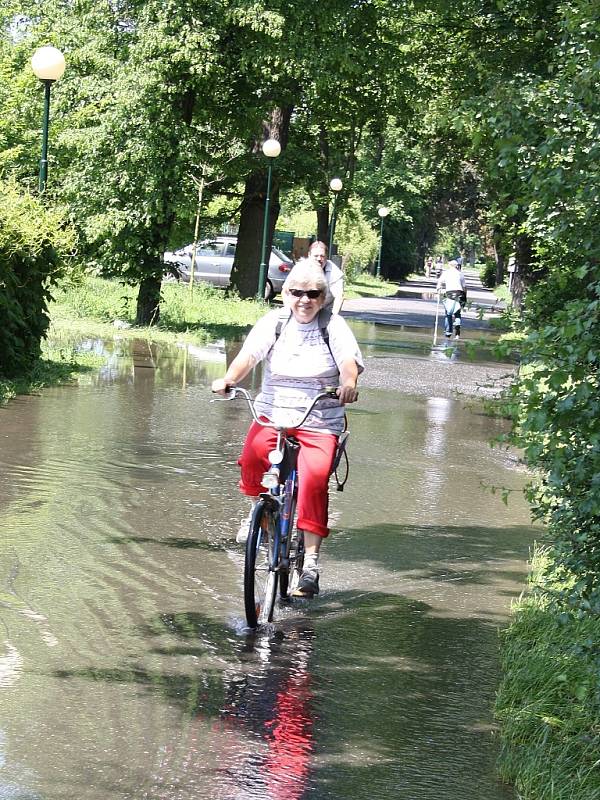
x,y
452,281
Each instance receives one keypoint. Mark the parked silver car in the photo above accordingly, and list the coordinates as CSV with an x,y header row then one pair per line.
x,y
214,261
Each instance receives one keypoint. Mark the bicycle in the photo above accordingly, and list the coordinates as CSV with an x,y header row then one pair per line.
x,y
274,548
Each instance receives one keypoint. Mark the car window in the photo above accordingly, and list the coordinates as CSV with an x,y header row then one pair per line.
x,y
279,254
230,251
210,249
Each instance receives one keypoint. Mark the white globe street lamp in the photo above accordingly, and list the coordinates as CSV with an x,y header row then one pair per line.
x,y
271,149
335,184
383,211
48,64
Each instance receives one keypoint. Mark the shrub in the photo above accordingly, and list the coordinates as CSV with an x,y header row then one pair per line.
x,y
33,244
487,273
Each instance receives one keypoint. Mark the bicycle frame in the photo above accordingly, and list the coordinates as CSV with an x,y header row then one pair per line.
x,y
280,495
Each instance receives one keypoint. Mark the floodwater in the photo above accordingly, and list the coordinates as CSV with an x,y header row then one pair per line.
x,y
408,341
125,667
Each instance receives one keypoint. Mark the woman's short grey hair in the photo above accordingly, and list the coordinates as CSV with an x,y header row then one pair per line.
x,y
305,274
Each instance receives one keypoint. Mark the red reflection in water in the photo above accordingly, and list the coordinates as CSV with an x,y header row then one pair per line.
x,y
261,745
273,705
290,739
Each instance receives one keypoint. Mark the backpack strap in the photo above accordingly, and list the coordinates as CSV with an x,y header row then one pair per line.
x,y
323,319
284,317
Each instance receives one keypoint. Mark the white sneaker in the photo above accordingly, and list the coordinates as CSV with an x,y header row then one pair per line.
x,y
244,529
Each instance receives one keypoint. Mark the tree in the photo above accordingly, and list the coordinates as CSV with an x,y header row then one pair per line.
x,y
137,102
337,91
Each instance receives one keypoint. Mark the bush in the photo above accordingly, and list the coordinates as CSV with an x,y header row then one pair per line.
x,y
558,428
33,243
487,273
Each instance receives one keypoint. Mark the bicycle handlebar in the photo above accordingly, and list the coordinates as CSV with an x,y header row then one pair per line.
x,y
234,391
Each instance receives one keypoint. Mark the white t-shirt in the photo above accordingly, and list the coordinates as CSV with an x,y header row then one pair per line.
x,y
299,365
453,280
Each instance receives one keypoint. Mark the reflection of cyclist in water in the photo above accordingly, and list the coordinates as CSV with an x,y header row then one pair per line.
x,y
247,732
273,703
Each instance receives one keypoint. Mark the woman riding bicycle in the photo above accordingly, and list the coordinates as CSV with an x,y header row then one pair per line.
x,y
303,354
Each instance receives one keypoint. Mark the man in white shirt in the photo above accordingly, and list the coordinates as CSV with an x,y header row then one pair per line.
x,y
453,282
334,276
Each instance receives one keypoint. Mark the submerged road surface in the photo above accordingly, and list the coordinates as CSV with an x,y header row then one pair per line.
x,y
125,667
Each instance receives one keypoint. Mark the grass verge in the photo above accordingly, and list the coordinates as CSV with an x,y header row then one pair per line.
x,y
549,700
200,315
367,285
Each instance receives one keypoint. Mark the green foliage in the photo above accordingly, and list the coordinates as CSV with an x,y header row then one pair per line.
x,y
356,239
34,243
548,703
358,242
558,424
297,214
487,273
559,428
394,171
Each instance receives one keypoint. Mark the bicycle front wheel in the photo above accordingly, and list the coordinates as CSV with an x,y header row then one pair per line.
x,y
260,581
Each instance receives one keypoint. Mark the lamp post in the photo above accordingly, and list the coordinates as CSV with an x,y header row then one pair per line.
x,y
48,65
335,185
383,212
271,148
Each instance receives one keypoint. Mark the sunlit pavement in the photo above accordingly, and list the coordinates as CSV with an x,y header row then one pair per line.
x,y
415,303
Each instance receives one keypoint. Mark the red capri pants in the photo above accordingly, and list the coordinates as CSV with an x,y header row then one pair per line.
x,y
315,459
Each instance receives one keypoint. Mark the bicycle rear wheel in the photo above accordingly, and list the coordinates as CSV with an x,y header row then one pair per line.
x,y
260,582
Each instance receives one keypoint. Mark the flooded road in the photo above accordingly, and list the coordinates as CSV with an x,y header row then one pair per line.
x,y
125,667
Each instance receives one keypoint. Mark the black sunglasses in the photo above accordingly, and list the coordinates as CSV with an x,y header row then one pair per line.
x,y
312,294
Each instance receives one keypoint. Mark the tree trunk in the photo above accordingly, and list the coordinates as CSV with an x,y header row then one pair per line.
x,y
523,276
322,208
323,223
148,301
421,251
245,271
498,255
244,275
